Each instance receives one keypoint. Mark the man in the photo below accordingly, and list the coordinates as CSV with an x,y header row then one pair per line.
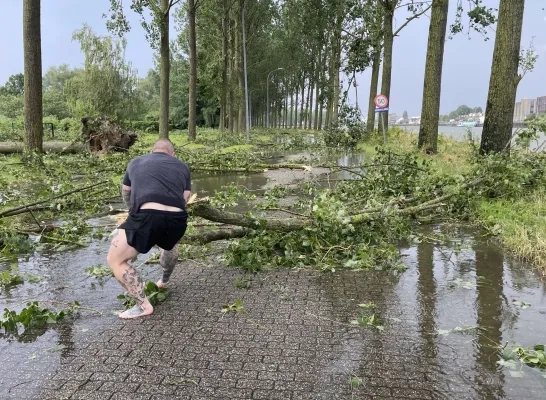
x,y
156,188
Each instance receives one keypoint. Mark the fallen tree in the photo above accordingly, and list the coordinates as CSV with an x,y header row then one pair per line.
x,y
103,135
98,135
50,147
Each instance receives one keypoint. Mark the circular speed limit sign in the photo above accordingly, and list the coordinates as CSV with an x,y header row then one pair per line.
x,y
381,101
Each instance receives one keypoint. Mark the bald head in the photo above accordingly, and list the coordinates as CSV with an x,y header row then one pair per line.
x,y
163,146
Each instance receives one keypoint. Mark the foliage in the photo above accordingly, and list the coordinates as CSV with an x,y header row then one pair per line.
x,y
348,131
10,277
236,307
107,84
463,110
367,317
480,18
154,294
15,85
533,129
33,316
533,357
99,271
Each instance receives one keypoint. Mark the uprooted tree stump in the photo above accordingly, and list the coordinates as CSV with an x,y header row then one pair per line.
x,y
102,135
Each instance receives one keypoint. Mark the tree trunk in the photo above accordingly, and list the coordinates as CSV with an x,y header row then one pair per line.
x,y
337,63
165,68
232,73
302,102
318,79
388,39
430,114
241,72
286,110
307,104
310,94
223,95
296,108
292,109
32,43
497,127
50,147
376,64
192,103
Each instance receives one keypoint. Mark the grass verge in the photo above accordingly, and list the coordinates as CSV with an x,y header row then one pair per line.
x,y
520,225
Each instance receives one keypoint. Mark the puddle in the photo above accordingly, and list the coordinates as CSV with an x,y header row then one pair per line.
x,y
447,317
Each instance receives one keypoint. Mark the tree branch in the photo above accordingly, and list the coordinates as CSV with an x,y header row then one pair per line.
x,y
213,236
27,206
411,19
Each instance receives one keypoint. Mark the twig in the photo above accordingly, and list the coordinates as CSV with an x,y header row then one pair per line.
x,y
14,211
286,211
71,304
19,384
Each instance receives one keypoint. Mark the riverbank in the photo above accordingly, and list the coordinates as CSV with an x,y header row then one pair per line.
x,y
519,224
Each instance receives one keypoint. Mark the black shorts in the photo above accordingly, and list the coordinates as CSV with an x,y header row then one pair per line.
x,y
149,228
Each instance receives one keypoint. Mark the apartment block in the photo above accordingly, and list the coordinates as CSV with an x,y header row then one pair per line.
x,y
541,105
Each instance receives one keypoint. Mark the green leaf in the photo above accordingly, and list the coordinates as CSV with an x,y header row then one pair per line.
x,y
57,348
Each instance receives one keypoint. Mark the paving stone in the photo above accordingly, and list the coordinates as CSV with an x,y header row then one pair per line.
x,y
292,355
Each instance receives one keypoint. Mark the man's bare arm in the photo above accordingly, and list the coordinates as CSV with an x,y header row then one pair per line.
x,y
187,194
126,195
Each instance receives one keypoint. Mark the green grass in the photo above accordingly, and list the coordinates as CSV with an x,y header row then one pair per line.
x,y
520,225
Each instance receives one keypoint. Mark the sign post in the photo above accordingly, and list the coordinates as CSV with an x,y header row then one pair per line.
x,y
382,106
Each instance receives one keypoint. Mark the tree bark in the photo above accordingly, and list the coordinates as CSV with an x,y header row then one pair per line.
x,y
302,101
53,147
32,40
430,114
223,95
337,62
310,93
499,112
192,101
307,112
291,108
231,75
388,39
165,68
376,64
296,107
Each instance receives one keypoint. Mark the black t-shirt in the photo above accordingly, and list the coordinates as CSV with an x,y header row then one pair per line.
x,y
158,178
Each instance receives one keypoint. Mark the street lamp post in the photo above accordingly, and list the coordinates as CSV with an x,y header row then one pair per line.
x,y
267,84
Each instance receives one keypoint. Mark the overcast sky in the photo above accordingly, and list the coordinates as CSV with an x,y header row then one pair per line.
x,y
467,62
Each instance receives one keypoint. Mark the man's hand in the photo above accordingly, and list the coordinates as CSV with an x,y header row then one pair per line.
x,y
126,195
187,194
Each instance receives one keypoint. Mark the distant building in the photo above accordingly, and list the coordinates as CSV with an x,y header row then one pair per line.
x,y
524,109
517,111
415,121
541,105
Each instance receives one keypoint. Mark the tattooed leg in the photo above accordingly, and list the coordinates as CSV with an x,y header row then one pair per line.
x,y
168,260
120,252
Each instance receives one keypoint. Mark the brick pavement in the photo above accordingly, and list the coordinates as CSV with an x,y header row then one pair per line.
x,y
292,342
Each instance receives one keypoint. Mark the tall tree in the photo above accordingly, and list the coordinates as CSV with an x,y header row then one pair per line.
x,y
480,18
416,8
192,96
32,39
157,33
15,84
430,111
497,127
107,85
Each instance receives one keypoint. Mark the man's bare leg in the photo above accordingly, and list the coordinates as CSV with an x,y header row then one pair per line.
x,y
118,256
168,260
